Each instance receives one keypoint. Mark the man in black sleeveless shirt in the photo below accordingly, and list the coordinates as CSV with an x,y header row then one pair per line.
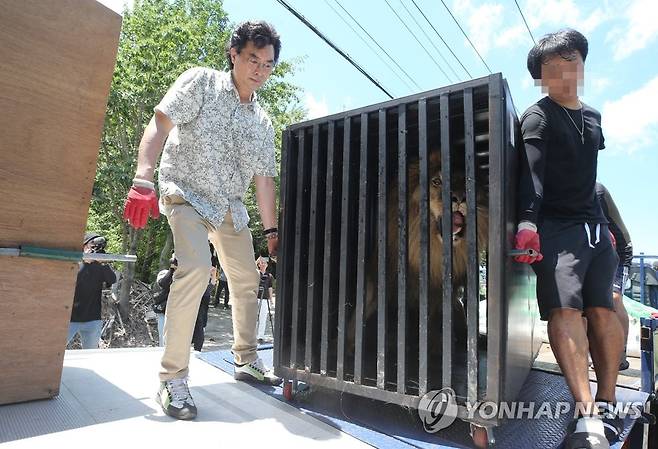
x,y
624,247
561,219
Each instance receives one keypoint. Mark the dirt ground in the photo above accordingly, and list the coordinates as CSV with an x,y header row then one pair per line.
x,y
219,330
141,330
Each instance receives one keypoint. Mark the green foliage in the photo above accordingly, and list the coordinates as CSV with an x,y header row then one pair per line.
x,y
159,40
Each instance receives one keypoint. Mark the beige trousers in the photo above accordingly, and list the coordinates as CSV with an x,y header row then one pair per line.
x,y
236,254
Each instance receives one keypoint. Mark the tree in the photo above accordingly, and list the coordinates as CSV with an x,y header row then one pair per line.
x,y
159,40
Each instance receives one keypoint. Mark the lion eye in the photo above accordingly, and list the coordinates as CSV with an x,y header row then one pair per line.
x,y
436,182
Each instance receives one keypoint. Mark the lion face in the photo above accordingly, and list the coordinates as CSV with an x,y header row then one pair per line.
x,y
458,220
458,208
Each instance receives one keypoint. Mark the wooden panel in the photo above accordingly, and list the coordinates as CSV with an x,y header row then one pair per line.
x,y
56,65
35,308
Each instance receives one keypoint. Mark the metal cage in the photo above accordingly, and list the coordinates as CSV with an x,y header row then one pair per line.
x,y
340,177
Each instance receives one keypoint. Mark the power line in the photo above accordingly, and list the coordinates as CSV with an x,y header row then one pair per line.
x,y
430,40
332,45
441,37
466,35
380,47
526,23
417,40
368,44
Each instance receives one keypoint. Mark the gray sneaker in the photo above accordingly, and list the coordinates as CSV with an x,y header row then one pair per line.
x,y
175,399
256,371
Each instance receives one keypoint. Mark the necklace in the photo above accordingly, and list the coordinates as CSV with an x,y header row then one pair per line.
x,y
581,131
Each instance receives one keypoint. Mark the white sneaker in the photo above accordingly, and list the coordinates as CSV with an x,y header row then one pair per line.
x,y
256,371
175,399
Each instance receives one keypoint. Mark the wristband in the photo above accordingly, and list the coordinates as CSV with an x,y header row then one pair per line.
x,y
527,225
270,231
138,182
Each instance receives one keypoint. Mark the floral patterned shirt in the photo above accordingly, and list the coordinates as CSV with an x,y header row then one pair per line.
x,y
216,146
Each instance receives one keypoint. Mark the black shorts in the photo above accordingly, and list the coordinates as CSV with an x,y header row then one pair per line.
x,y
577,271
620,279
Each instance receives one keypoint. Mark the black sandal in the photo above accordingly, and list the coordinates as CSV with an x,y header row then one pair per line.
x,y
624,365
612,423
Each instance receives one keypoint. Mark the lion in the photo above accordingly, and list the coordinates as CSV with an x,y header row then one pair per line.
x,y
436,242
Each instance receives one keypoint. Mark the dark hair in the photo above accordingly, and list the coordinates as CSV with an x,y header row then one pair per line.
x,y
260,33
89,236
96,242
563,43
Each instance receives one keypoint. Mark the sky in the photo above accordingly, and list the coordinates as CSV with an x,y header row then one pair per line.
x,y
621,71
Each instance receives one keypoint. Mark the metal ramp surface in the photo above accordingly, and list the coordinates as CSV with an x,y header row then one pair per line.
x,y
106,401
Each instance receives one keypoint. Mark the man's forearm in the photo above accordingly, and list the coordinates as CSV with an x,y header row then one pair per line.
x,y
531,184
266,198
150,147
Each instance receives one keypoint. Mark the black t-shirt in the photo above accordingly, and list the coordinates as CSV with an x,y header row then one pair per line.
x,y
558,170
264,286
164,280
88,289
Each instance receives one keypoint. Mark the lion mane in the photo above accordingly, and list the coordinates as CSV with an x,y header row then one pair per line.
x,y
436,242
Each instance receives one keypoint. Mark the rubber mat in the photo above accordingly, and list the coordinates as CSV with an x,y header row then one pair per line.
x,y
385,425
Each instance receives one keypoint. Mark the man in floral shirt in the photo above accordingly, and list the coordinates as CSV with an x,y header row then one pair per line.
x,y
216,138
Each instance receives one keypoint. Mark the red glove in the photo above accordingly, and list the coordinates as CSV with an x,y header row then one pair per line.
x,y
141,202
613,240
527,239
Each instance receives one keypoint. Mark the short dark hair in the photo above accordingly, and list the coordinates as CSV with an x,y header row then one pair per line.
x,y
563,43
260,33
